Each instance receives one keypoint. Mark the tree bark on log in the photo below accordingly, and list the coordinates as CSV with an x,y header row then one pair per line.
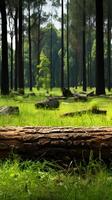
x,y
56,143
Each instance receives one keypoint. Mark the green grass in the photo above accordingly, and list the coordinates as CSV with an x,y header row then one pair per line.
x,y
42,181
46,181
30,116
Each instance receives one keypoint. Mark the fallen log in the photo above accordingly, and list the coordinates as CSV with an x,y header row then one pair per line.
x,y
57,97
81,97
59,144
88,94
76,113
82,112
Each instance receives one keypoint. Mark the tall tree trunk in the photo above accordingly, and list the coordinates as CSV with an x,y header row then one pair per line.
x,y
62,45
84,45
4,69
11,62
16,51
51,57
38,39
39,22
20,61
100,81
30,47
89,54
109,45
68,64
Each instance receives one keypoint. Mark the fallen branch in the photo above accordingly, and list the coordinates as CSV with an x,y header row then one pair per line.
x,y
82,112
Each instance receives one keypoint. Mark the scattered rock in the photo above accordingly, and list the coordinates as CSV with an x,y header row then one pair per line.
x,y
50,104
9,110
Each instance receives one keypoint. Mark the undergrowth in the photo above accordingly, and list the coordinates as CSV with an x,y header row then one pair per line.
x,y
46,181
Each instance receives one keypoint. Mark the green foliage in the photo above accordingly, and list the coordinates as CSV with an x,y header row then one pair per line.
x,y
45,181
43,75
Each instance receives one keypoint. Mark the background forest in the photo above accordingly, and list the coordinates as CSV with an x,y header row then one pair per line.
x,y
51,44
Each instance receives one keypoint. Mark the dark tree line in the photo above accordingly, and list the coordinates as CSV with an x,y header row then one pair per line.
x,y
93,19
71,56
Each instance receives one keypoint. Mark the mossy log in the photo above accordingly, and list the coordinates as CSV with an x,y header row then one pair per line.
x,y
56,143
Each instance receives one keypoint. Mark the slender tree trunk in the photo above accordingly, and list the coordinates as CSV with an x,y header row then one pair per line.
x,y
30,47
38,39
89,53
20,62
39,21
68,64
88,69
100,81
109,45
11,62
62,45
51,57
84,46
23,37
16,51
77,70
4,69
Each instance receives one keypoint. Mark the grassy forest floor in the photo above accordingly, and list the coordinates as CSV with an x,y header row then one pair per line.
x,y
37,181
47,181
30,116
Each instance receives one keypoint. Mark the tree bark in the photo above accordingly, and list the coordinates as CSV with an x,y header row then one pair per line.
x,y
30,46
59,144
39,39
16,51
62,45
20,51
84,46
68,63
100,80
109,45
11,73
4,69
